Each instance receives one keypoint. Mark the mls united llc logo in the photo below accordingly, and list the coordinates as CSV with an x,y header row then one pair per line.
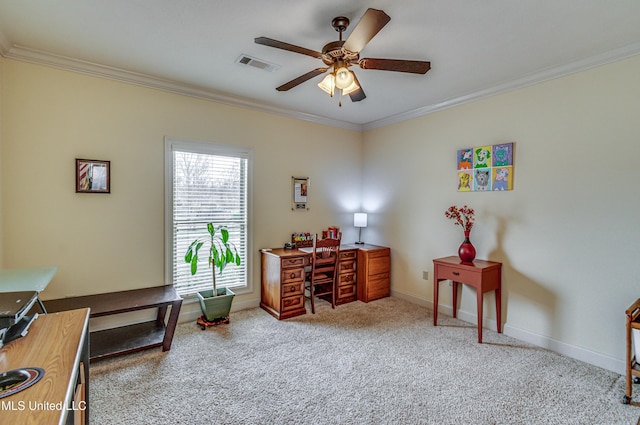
x,y
10,405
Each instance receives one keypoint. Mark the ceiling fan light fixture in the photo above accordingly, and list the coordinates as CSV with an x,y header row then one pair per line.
x,y
351,88
328,84
344,78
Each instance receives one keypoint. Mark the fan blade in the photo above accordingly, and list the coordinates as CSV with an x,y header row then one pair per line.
x,y
414,67
286,46
357,95
371,23
301,79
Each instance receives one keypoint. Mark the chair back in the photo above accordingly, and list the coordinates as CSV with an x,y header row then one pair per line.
x,y
325,255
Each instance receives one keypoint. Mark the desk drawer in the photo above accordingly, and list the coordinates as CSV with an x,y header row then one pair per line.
x,y
347,291
346,266
295,288
292,303
379,265
288,263
378,287
346,279
458,275
292,275
348,255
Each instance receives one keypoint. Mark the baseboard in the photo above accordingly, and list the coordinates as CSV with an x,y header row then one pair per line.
x,y
594,358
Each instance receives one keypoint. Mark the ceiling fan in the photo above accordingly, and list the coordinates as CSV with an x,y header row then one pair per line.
x,y
339,55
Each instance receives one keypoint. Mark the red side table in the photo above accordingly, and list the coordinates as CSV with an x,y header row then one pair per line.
x,y
483,275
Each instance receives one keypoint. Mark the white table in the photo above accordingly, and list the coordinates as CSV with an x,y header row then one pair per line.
x,y
31,279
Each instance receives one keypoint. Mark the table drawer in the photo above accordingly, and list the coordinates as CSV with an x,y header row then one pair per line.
x,y
346,279
347,266
295,288
292,275
292,303
458,275
288,263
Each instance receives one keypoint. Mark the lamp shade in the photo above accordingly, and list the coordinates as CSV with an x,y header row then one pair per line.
x,y
360,220
344,78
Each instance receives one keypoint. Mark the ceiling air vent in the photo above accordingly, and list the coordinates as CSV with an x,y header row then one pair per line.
x,y
257,63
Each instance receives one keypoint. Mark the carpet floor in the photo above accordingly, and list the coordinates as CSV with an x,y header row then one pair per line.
x,y
378,363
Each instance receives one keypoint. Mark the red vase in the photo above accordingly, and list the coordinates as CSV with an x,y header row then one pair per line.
x,y
467,251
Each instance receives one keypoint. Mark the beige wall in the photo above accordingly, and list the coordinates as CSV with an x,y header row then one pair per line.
x,y
1,155
113,242
568,234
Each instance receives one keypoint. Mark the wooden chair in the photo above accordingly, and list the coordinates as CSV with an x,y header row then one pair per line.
x,y
633,363
321,278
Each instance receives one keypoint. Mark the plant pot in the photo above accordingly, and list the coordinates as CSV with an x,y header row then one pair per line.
x,y
217,307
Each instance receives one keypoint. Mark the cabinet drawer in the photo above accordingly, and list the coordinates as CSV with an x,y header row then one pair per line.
x,y
458,275
346,291
348,255
347,266
288,263
295,288
292,303
346,279
378,287
379,265
292,275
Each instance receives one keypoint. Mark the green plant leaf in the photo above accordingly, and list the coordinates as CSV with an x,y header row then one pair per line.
x,y
194,264
211,229
225,235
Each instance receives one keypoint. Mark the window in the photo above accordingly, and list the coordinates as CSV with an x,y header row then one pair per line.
x,y
206,183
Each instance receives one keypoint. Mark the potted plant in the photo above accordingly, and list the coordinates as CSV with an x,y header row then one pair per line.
x,y
216,303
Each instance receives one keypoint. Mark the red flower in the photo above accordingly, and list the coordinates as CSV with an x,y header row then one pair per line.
x,y
463,216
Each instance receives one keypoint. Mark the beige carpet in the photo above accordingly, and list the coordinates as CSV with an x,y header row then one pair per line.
x,y
377,363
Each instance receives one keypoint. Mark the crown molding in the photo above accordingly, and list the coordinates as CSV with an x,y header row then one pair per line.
x,y
116,74
538,77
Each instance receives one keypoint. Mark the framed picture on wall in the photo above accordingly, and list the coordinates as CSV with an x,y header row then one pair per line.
x,y
93,176
300,189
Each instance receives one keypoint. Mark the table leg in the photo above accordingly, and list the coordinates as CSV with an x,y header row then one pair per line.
x,y
171,325
436,283
499,309
479,307
454,285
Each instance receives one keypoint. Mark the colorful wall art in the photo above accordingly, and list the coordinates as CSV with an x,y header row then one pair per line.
x,y
485,168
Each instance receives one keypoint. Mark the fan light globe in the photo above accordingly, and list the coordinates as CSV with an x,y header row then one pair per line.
x,y
344,78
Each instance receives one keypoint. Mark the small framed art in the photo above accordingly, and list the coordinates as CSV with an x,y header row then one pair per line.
x,y
300,192
93,176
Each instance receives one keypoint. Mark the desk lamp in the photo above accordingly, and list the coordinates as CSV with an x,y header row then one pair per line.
x,y
360,221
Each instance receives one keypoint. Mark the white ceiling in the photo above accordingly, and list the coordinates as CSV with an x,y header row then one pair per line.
x,y
476,48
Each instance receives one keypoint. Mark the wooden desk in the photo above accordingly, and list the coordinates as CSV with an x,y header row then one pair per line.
x,y
132,338
364,274
59,344
483,275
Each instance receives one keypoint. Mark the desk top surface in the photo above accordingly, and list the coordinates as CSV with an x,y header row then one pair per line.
x,y
53,344
296,252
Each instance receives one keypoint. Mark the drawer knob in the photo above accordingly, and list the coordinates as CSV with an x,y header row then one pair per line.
x,y
456,273
293,275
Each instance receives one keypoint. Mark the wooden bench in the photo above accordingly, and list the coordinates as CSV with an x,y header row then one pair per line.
x,y
132,338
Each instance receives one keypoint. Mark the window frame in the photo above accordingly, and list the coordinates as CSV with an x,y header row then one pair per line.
x,y
211,148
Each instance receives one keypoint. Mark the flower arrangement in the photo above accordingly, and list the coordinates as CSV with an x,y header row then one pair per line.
x,y
463,216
